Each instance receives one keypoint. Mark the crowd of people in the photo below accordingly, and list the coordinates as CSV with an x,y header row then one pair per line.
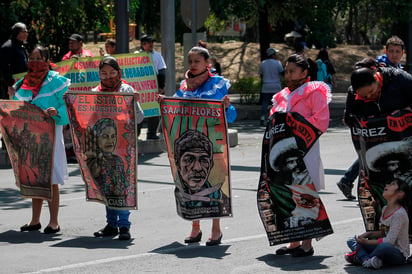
x,y
378,87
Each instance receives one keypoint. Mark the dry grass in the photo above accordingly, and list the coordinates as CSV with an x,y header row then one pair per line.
x,y
240,59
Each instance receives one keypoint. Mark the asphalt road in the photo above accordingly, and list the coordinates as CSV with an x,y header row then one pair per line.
x,y
157,232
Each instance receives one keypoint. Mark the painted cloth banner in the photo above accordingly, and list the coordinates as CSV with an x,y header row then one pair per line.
x,y
29,136
105,143
198,148
289,205
137,70
384,147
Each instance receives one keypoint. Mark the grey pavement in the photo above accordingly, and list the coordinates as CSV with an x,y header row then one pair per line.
x,y
157,232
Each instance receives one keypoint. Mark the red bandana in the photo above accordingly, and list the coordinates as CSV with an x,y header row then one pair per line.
x,y
35,76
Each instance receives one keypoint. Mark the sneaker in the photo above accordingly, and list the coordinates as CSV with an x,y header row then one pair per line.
x,y
373,262
352,258
376,263
108,230
124,233
346,190
366,263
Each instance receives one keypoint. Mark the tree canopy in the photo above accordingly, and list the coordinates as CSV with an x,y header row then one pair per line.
x,y
322,22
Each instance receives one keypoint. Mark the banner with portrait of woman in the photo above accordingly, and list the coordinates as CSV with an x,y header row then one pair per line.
x,y
197,144
105,143
384,147
288,203
29,136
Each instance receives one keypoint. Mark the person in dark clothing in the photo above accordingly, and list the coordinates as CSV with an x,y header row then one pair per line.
x,y
345,184
375,90
13,58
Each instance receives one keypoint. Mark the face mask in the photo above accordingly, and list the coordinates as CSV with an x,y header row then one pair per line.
x,y
294,84
112,83
37,72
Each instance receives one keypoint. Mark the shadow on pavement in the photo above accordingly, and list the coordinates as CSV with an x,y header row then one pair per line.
x,y
95,243
35,237
193,251
289,263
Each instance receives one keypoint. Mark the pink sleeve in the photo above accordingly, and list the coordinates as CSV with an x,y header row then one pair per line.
x,y
320,111
380,240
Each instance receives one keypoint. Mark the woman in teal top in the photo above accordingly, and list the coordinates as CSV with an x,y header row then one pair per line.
x,y
45,88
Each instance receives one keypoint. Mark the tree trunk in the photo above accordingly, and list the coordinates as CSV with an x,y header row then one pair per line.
x,y
264,34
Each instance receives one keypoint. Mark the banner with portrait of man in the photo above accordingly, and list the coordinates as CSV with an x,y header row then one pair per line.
x,y
288,203
384,147
197,143
29,136
105,143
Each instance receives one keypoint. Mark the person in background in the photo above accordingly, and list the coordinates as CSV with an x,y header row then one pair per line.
x,y
270,71
111,80
215,66
110,46
13,58
76,48
146,43
323,55
45,88
395,48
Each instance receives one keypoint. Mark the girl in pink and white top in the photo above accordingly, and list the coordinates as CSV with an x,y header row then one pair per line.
x,y
389,245
309,99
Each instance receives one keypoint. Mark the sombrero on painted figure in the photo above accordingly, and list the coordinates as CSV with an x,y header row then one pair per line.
x,y
376,153
280,148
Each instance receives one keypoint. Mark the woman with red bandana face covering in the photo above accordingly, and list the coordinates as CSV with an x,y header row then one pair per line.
x,y
309,99
111,81
45,88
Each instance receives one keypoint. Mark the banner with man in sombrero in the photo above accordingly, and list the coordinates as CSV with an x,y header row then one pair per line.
x,y
289,205
197,144
384,147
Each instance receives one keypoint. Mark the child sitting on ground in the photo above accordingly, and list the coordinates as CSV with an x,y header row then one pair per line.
x,y
389,245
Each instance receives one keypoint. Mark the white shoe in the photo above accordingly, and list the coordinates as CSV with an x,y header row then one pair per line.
x,y
373,262
376,263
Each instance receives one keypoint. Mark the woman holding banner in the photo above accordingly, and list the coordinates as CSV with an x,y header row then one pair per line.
x,y
45,88
105,164
201,83
310,101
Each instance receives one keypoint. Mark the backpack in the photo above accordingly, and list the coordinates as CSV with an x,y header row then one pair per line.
x,y
322,74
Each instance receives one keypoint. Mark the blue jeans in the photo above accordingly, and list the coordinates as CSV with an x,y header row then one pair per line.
x,y
117,218
351,174
266,100
389,254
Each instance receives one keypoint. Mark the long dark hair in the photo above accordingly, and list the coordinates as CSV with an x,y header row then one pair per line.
x,y
405,202
300,61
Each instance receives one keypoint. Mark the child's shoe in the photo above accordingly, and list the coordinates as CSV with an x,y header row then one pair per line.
x,y
376,263
352,258
107,231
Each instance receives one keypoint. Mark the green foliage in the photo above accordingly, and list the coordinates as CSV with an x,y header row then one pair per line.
x,y
248,88
50,22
